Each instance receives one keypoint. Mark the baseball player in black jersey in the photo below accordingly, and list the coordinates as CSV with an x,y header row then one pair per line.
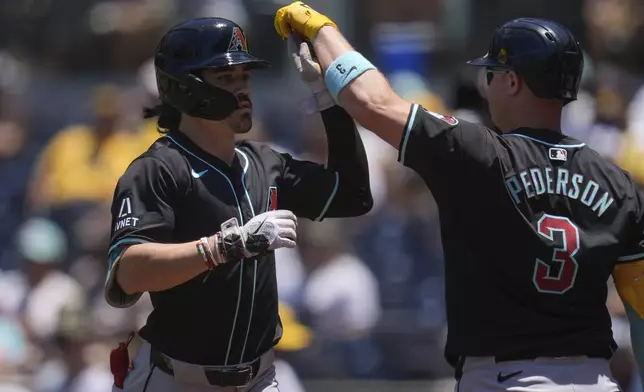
x,y
533,222
196,218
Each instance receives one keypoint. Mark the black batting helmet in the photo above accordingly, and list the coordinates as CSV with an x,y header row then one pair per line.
x,y
543,53
192,46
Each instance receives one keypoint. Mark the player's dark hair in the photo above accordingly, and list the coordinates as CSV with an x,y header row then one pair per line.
x,y
169,117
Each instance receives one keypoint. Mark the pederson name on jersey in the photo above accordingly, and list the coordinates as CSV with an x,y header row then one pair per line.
x,y
539,181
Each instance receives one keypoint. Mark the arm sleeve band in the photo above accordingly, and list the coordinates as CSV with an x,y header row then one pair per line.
x,y
344,70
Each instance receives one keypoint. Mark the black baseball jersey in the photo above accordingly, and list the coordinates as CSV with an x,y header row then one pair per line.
x,y
178,193
532,224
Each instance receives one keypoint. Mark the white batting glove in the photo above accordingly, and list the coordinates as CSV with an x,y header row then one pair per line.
x,y
303,58
265,232
270,230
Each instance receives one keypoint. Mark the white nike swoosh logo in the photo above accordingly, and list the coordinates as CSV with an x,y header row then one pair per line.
x,y
197,175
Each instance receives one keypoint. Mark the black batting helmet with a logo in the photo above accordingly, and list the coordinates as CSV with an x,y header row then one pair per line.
x,y
543,53
192,46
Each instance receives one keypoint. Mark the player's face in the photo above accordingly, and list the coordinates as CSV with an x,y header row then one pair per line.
x,y
235,79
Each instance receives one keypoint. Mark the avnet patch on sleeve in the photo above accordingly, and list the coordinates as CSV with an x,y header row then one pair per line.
x,y
126,216
143,205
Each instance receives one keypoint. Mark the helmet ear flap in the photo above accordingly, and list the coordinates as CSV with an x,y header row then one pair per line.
x,y
572,66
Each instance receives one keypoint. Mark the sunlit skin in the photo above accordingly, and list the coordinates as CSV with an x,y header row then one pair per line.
x,y
503,85
513,105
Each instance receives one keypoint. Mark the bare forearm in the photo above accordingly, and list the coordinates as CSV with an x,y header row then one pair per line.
x,y
330,44
364,91
157,267
369,98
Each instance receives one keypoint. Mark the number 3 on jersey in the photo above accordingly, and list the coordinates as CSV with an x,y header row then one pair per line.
x,y
546,279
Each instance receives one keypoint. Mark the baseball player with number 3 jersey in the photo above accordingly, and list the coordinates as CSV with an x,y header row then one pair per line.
x,y
533,222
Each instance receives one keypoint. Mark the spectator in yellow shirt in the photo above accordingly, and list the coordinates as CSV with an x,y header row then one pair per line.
x,y
82,163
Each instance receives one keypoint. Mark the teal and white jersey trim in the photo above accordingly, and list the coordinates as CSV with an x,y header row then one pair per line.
x,y
330,199
114,295
410,125
546,143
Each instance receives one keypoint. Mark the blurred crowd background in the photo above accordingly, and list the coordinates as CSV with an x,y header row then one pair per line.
x,y
362,299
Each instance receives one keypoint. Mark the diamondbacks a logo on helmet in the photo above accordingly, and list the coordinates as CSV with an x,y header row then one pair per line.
x,y
448,119
503,56
271,205
238,41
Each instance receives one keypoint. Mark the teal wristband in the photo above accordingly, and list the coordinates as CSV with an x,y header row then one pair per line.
x,y
344,70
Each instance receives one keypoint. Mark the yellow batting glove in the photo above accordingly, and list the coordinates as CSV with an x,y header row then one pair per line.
x,y
301,18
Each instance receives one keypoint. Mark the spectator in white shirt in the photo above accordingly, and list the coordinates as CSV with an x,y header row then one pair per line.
x,y
341,299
